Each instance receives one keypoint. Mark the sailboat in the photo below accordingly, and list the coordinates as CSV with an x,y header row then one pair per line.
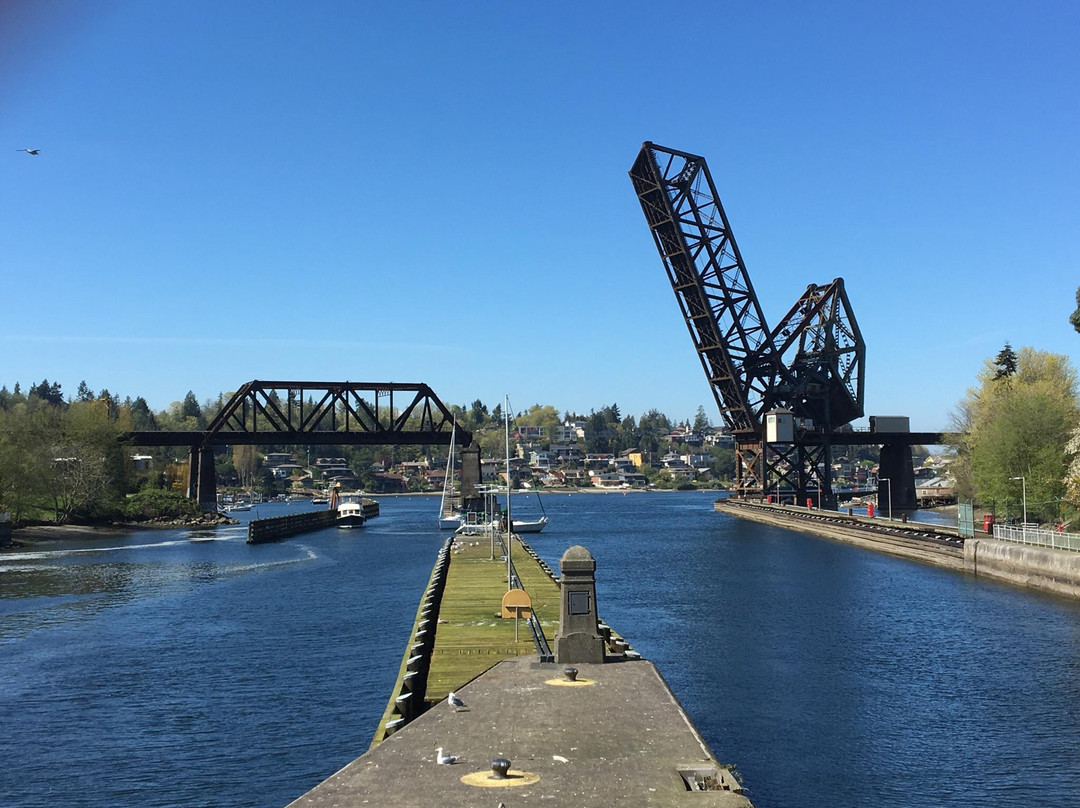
x,y
534,526
449,517
519,526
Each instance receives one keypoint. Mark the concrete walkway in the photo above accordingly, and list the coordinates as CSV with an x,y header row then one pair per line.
x,y
625,739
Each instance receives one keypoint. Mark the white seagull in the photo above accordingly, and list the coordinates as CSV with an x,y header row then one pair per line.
x,y
455,701
445,759
29,151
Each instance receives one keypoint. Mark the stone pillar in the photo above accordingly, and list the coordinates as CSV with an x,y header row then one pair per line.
x,y
193,473
470,478
207,479
578,639
895,463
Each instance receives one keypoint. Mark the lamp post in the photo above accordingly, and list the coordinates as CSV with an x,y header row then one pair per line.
x,y
887,480
1023,488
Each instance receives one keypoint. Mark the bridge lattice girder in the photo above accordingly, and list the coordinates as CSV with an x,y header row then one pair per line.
x,y
322,413
812,364
710,281
823,352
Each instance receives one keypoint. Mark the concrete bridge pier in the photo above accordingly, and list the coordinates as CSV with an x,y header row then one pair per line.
x,y
471,500
896,466
193,473
207,486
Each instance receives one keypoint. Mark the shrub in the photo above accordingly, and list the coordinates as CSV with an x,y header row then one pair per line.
x,y
156,503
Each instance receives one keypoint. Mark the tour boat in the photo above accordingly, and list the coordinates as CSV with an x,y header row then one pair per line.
x,y
350,510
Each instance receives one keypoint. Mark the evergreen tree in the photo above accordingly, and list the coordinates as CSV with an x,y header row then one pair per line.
x,y
701,421
1074,318
84,393
1005,362
190,408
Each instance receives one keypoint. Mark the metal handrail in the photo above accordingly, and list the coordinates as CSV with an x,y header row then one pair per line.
x,y
1038,537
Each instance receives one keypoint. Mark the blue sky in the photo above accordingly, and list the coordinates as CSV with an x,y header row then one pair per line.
x,y
438,192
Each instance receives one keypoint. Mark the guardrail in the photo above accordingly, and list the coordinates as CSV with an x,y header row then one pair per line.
x,y
1038,537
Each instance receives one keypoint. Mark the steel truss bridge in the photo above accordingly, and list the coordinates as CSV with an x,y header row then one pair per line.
x,y
809,368
287,413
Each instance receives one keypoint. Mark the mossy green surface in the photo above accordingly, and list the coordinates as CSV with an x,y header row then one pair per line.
x,y
471,636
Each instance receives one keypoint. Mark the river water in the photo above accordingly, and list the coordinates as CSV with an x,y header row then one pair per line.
x,y
154,670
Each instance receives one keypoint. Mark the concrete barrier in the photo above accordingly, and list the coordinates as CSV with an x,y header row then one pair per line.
x,y
1056,571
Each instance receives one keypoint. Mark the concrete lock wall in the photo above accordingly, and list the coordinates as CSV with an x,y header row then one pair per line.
x,y
1042,568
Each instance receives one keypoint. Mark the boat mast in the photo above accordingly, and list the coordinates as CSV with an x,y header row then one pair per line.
x,y
509,523
448,480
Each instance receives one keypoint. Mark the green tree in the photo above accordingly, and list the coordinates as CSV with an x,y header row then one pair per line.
x,y
701,421
1018,425
1074,318
1005,362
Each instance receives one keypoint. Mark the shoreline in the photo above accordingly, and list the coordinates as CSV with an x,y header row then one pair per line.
x,y
30,535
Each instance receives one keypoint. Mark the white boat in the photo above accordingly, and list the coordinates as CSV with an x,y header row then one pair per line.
x,y
240,506
449,517
530,527
350,510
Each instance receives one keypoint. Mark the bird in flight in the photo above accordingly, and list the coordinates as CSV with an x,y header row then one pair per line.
x,y
29,151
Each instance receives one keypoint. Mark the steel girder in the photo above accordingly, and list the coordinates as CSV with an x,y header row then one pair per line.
x,y
710,282
811,364
823,351
322,413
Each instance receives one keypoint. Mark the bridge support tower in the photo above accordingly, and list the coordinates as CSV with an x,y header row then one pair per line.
x,y
896,466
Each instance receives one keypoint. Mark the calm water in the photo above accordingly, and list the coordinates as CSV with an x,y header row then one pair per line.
x,y
157,671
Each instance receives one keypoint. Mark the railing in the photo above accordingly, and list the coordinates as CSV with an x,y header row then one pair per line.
x,y
1038,537
543,649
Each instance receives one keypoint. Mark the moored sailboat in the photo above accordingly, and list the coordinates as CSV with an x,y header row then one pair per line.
x,y
450,518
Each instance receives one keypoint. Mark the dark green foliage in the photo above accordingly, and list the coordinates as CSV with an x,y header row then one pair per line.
x,y
155,503
1074,318
49,393
1005,362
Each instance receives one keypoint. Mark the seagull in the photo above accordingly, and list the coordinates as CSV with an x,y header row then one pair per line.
x,y
29,151
455,701
445,759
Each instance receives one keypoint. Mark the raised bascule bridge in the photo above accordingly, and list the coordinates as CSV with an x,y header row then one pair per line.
x,y
789,393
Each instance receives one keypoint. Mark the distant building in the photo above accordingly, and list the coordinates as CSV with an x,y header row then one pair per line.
x,y
142,462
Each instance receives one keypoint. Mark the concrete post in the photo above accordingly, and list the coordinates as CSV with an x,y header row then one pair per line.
x,y
193,473
470,478
895,463
207,479
578,639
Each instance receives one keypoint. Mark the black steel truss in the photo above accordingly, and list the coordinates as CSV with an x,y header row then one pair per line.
x,y
711,283
812,364
322,413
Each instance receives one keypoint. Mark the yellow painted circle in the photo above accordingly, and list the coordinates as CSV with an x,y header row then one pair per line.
x,y
568,683
513,778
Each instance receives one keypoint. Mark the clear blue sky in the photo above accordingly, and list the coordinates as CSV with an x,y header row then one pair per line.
x,y
438,192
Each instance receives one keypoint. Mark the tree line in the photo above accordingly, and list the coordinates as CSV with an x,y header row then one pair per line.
x,y
62,459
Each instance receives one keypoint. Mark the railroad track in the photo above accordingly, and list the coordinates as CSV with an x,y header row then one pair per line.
x,y
902,532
